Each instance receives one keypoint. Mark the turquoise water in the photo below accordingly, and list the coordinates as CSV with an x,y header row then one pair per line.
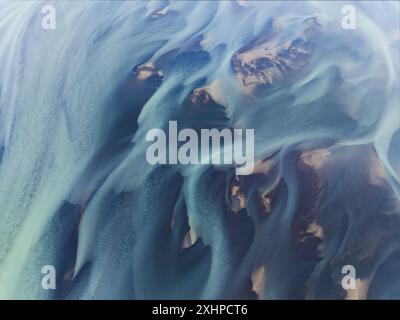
x,y
77,193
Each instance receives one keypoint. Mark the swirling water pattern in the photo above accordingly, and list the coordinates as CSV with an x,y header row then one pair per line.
x,y
77,193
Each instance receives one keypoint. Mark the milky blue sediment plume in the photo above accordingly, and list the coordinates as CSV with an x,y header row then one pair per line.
x,y
77,193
